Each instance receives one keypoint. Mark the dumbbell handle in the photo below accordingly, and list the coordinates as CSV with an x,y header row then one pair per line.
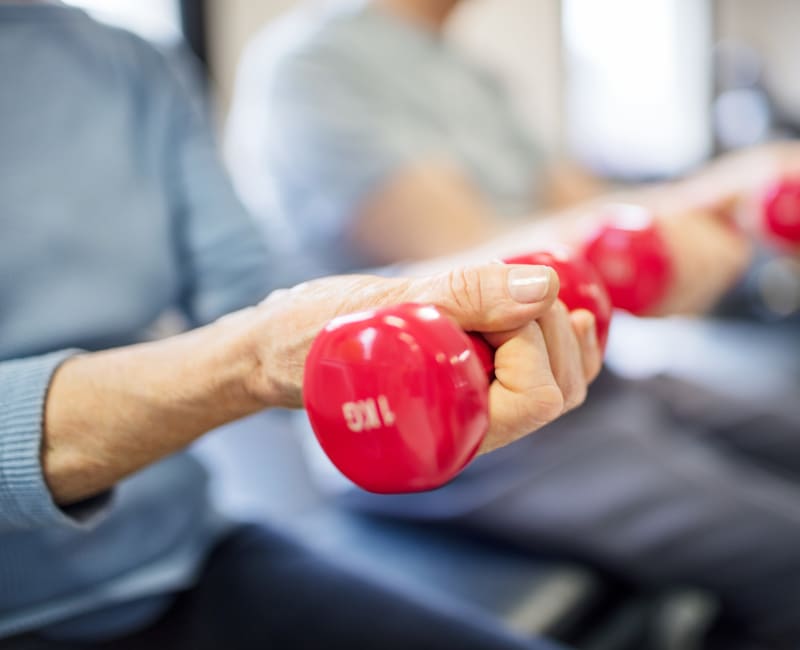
x,y
629,252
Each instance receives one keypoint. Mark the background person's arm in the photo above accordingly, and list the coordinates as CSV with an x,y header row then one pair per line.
x,y
430,208
708,255
422,211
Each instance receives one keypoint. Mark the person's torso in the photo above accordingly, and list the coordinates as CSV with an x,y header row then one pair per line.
x,y
88,259
465,111
435,101
87,255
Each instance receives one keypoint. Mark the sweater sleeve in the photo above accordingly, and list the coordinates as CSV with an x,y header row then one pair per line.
x,y
25,501
227,262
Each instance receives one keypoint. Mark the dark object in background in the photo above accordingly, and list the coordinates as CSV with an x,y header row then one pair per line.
x,y
194,14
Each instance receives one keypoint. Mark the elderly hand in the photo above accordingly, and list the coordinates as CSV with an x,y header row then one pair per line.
x,y
545,357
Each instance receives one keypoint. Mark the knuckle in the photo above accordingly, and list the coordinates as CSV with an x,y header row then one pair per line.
x,y
548,401
577,396
277,294
466,289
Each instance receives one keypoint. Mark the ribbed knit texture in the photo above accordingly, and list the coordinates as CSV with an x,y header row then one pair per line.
x,y
24,499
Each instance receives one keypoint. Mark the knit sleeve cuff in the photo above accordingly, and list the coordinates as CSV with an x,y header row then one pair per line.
x,y
25,500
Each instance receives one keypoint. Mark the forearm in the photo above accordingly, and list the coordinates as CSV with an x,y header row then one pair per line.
x,y
567,226
424,211
111,413
706,255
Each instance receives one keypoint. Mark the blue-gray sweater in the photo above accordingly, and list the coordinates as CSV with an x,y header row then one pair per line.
x,y
113,209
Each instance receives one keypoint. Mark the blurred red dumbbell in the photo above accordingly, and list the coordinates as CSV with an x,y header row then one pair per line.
x,y
780,212
631,257
581,285
635,264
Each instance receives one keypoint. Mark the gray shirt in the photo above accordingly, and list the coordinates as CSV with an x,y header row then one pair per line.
x,y
332,100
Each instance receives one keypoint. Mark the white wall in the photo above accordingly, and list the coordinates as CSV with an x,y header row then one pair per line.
x,y
771,26
520,38
231,24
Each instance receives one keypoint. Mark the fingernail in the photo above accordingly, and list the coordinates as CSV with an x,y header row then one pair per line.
x,y
529,283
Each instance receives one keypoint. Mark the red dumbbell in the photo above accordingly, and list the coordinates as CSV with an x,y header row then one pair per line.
x,y
581,285
780,212
398,397
632,258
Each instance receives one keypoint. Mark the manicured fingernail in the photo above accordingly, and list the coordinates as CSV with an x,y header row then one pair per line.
x,y
529,283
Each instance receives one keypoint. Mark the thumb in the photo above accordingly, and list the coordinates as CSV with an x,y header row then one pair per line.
x,y
492,297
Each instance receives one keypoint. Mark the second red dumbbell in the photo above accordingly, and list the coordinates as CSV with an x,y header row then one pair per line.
x,y
581,285
780,212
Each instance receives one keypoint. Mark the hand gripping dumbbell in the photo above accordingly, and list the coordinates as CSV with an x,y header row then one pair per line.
x,y
398,397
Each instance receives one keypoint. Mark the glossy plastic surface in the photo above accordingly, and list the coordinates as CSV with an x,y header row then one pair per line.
x,y
581,286
632,257
484,353
781,212
397,397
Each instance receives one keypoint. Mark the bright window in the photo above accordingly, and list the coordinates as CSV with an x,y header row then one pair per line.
x,y
638,84
156,20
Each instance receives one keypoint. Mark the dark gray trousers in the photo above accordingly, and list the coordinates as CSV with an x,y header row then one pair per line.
x,y
662,481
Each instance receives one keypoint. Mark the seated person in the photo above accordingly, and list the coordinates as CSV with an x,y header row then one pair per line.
x,y
114,208
382,143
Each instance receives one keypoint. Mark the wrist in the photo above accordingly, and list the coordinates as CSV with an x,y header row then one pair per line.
x,y
110,413
224,360
244,356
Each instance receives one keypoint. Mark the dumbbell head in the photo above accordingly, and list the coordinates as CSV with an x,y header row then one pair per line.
x,y
780,209
632,258
398,397
581,286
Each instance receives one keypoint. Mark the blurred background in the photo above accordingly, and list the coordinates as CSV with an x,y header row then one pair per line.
x,y
635,90
711,74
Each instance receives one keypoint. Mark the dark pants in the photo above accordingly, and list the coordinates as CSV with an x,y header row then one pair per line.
x,y
659,481
261,590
